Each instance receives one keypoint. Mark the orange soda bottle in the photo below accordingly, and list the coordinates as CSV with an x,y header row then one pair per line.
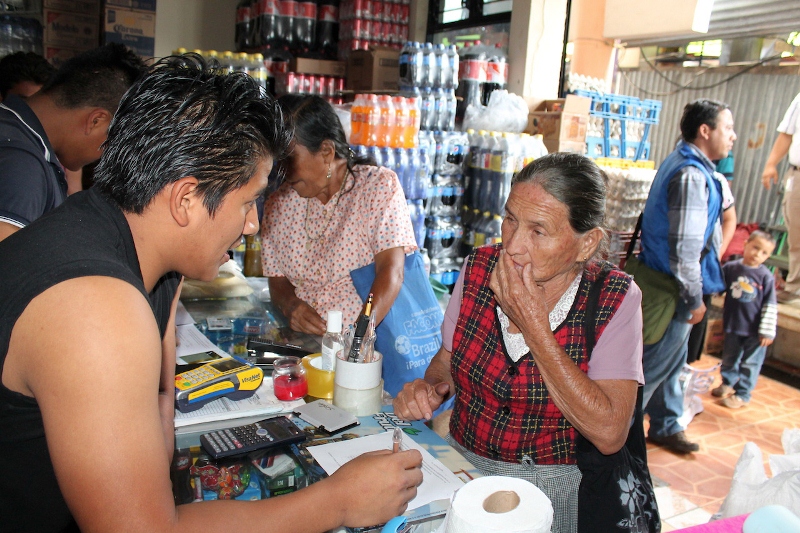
x,y
357,119
401,118
386,120
370,119
412,126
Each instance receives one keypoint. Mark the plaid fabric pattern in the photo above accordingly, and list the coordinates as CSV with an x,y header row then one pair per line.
x,y
502,409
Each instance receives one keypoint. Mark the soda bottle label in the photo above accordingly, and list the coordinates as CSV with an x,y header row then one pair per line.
x,y
328,13
472,69
306,10
269,7
287,8
377,10
243,15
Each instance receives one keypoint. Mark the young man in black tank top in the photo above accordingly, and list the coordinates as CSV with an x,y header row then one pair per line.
x,y
87,342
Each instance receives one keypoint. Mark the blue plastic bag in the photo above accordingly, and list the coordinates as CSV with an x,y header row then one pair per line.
x,y
411,333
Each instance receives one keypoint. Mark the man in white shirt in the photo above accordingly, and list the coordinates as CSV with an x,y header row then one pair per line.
x,y
788,143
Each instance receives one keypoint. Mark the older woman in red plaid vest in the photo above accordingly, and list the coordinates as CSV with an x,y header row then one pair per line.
x,y
515,352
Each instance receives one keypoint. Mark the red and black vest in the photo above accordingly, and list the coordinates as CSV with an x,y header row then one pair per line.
x,y
502,409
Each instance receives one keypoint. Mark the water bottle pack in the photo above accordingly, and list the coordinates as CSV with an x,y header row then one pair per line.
x,y
425,65
443,237
19,34
416,209
451,152
445,196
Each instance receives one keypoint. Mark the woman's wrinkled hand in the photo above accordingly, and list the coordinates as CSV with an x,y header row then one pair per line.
x,y
419,399
302,317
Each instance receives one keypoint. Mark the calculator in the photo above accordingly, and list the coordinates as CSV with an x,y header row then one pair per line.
x,y
232,377
268,433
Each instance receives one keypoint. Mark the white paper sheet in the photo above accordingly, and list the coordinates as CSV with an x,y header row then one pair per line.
x,y
438,482
191,342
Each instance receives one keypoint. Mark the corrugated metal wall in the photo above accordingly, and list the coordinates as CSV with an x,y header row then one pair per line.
x,y
758,102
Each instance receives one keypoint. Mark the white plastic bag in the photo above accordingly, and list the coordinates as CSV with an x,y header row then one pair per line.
x,y
751,489
506,112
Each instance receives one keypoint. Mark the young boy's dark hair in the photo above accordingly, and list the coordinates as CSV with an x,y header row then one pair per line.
x,y
23,66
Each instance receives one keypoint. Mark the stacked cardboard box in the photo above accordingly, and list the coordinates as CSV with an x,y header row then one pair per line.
x,y
70,27
132,23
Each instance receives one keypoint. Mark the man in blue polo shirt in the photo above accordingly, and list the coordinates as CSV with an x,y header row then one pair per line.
x,y
682,210
61,126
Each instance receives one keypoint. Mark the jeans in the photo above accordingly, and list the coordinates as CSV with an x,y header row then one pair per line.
x,y
742,357
663,362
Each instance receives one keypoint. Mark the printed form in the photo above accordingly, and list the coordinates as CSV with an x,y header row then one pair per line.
x,y
438,482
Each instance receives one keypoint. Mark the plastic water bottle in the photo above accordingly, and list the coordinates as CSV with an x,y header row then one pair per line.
x,y
387,158
440,110
332,342
402,166
442,66
375,153
422,178
428,114
450,110
429,73
452,58
475,166
412,169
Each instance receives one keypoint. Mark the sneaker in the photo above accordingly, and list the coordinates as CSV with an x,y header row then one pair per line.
x,y
734,402
723,391
786,297
676,442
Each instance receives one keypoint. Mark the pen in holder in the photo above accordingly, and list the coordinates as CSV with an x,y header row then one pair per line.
x,y
357,386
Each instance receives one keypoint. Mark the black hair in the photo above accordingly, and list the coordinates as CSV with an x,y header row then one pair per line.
x,y
761,234
23,66
95,78
575,181
183,119
315,121
697,113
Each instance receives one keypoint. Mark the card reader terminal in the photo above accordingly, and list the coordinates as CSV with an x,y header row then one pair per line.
x,y
231,377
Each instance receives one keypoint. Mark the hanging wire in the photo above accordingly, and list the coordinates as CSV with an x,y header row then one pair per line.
x,y
688,85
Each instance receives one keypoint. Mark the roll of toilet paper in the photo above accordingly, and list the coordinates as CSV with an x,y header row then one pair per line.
x,y
499,504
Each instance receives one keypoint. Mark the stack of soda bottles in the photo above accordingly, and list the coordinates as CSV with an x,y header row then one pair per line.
x,y
482,70
328,87
428,73
494,159
298,27
373,23
444,229
251,64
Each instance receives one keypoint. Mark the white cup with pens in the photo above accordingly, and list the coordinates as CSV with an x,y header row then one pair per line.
x,y
357,385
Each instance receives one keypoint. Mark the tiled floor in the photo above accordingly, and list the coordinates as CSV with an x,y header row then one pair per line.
x,y
690,488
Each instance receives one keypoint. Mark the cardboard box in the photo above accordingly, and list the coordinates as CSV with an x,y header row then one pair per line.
x,y
575,147
564,119
135,29
141,5
70,30
57,56
84,7
320,67
376,69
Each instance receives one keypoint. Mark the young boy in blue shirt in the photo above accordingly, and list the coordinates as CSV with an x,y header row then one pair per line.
x,y
749,318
